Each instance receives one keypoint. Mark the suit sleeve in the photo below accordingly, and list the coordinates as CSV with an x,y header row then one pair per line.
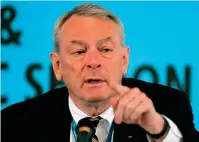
x,y
173,135
177,109
182,116
187,127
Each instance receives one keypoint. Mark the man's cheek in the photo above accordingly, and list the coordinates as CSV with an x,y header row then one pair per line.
x,y
70,66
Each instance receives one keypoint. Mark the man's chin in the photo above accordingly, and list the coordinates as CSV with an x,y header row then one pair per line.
x,y
94,98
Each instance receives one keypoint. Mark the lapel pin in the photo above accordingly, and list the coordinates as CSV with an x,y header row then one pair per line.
x,y
129,137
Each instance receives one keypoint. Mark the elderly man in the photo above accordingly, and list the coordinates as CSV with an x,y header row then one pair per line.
x,y
91,58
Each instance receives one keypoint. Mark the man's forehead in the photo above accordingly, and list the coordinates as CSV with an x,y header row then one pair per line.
x,y
84,28
79,21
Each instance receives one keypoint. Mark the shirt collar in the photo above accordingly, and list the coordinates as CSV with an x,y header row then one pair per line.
x,y
77,114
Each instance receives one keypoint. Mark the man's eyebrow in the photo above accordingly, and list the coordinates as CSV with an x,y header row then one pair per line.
x,y
83,43
79,42
101,41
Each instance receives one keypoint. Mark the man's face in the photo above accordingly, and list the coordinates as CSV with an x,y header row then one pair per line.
x,y
90,58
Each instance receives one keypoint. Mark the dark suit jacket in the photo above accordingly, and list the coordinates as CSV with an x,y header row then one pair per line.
x,y
47,118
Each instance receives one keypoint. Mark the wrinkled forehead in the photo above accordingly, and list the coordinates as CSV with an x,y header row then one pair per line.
x,y
89,29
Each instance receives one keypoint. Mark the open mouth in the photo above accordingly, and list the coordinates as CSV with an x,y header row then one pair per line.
x,y
92,81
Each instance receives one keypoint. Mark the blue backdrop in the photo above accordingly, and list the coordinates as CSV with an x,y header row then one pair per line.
x,y
163,39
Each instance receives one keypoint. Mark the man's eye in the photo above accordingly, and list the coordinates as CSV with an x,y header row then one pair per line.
x,y
79,52
107,50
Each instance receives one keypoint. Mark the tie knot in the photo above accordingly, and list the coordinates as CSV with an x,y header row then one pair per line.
x,y
95,120
94,126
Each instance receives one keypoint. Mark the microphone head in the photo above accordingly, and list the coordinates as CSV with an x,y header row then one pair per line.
x,y
84,130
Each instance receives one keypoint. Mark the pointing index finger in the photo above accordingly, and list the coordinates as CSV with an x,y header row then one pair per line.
x,y
120,89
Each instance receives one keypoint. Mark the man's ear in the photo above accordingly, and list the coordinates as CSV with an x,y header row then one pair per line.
x,y
125,60
55,59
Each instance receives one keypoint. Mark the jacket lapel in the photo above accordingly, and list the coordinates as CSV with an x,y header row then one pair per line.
x,y
129,133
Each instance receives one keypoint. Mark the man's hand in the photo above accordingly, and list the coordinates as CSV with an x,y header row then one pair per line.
x,y
132,106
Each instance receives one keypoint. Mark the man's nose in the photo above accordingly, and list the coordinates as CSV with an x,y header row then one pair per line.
x,y
93,60
94,66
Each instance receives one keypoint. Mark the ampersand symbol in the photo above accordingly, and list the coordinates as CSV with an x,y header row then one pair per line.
x,y
7,34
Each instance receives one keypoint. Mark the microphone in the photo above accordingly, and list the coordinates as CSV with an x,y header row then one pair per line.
x,y
84,130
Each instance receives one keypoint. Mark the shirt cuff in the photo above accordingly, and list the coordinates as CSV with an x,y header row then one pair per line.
x,y
174,134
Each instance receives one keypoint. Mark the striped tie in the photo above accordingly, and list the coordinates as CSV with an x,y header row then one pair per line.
x,y
90,129
95,122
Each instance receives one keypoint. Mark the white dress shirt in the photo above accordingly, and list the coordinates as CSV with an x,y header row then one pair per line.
x,y
174,134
